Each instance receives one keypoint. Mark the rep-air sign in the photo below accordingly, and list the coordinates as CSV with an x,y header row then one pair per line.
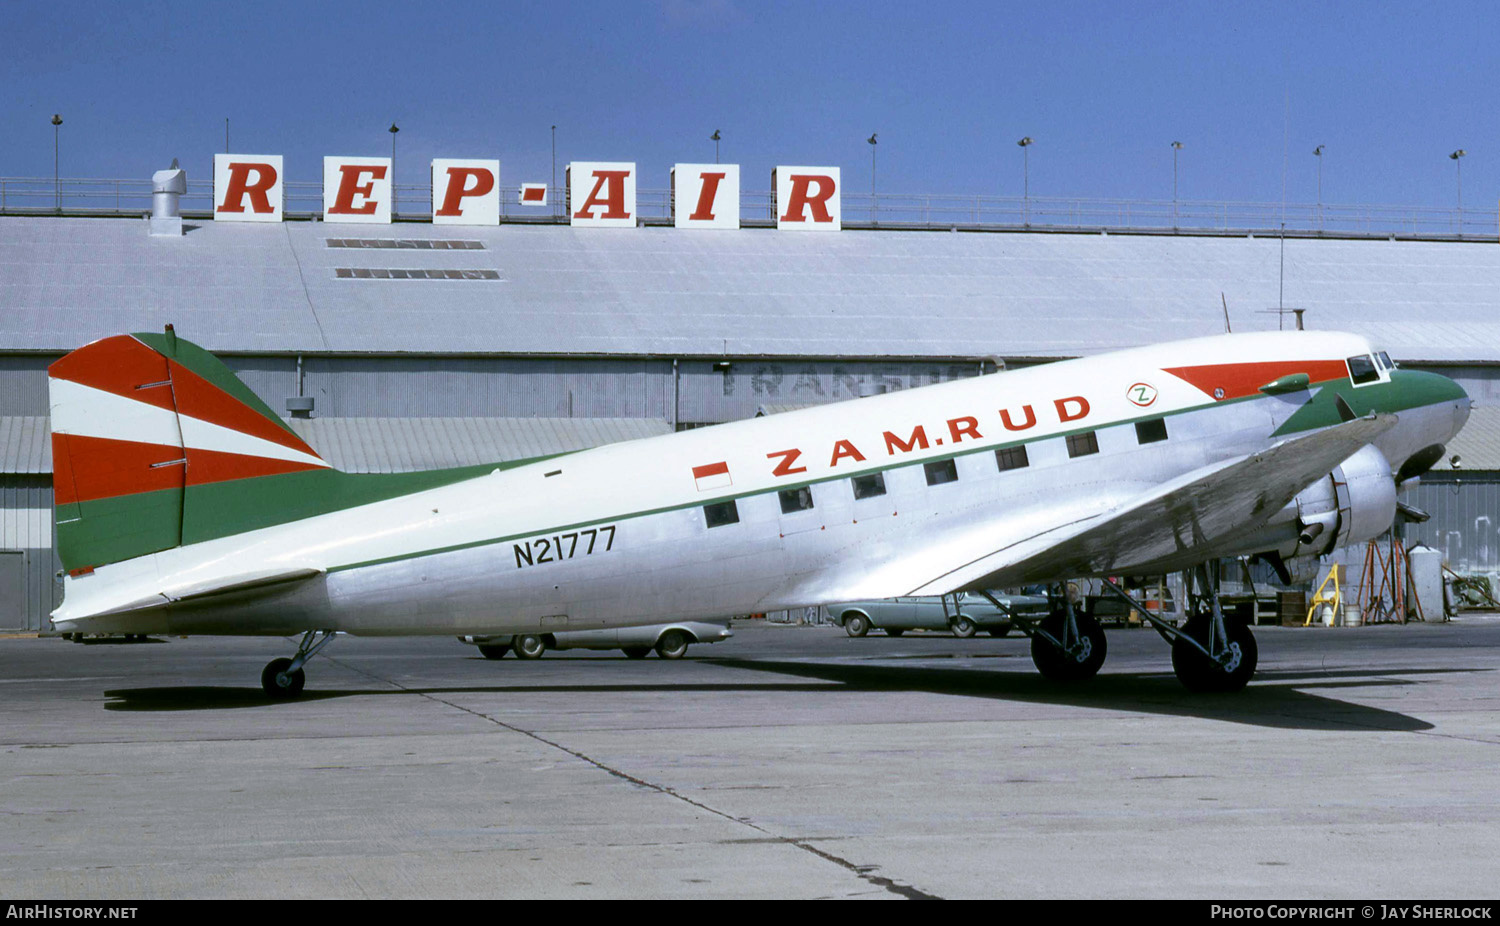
x,y
466,191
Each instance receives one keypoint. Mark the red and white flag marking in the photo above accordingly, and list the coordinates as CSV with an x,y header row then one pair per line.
x,y
712,476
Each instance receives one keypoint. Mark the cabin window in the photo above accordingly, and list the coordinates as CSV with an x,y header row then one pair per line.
x,y
795,499
1151,430
1011,458
941,471
1362,369
1081,445
868,486
721,514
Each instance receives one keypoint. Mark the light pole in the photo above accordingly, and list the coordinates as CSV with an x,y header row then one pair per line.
x,y
1176,147
56,185
1025,144
1458,165
553,191
874,204
1317,152
226,134
393,130
715,139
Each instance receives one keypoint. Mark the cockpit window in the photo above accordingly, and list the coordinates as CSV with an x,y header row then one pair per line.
x,y
1385,360
1362,369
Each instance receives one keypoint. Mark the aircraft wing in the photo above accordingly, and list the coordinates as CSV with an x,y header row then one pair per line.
x,y
1190,513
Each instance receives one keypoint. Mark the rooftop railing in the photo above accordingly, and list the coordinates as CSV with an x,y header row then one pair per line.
x,y
304,200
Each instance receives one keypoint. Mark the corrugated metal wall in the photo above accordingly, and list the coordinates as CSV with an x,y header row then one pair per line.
x,y
1465,518
26,525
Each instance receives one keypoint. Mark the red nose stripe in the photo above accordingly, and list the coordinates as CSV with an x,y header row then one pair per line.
x,y
1241,379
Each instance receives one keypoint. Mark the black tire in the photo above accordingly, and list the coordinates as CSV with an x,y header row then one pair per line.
x,y
1002,631
494,650
1200,674
279,683
963,627
1058,666
529,646
637,652
894,631
856,625
672,645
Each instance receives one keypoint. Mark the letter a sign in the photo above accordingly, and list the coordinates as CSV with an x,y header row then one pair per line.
x,y
601,194
248,188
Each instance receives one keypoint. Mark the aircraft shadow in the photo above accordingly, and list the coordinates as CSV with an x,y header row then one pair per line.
x,y
1266,703
1279,699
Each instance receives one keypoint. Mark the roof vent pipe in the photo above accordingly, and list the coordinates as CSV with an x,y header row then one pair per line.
x,y
167,187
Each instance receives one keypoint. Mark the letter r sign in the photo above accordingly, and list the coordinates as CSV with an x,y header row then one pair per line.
x,y
808,198
248,188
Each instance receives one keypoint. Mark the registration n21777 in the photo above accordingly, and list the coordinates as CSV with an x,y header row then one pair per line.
x,y
559,547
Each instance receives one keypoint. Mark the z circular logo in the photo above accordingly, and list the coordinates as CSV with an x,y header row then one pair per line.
x,y
1142,394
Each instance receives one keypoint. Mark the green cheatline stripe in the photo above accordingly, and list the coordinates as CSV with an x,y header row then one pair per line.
x,y
1412,394
212,369
791,486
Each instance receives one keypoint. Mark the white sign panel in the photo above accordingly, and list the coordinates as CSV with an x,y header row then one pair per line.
x,y
601,194
532,194
248,188
357,190
465,192
808,198
706,195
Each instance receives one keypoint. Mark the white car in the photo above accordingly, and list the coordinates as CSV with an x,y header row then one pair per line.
x,y
962,614
670,641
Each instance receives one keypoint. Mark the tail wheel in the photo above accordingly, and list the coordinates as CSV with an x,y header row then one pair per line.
x,y
1080,661
1199,673
672,645
278,682
494,651
856,625
963,627
529,646
637,652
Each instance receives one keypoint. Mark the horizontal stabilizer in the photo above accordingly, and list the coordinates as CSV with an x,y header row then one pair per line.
x,y
223,585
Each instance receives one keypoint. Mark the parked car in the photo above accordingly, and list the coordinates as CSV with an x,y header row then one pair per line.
x,y
964,614
670,641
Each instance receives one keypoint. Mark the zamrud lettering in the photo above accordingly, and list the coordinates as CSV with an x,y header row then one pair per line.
x,y
1077,401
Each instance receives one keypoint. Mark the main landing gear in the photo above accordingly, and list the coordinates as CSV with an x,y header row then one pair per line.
x,y
283,678
1209,652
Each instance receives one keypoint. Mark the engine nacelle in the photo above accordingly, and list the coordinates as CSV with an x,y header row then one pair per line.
x,y
1353,504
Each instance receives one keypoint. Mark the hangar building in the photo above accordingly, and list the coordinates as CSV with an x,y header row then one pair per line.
x,y
422,345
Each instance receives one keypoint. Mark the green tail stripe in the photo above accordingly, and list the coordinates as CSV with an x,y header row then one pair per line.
x,y
212,369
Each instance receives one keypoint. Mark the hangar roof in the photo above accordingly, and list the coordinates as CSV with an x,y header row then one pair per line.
x,y
521,289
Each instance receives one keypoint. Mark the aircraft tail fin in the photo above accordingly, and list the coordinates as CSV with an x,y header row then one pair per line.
x,y
151,436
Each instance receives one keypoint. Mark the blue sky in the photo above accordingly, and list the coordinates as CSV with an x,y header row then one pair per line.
x,y
1249,88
